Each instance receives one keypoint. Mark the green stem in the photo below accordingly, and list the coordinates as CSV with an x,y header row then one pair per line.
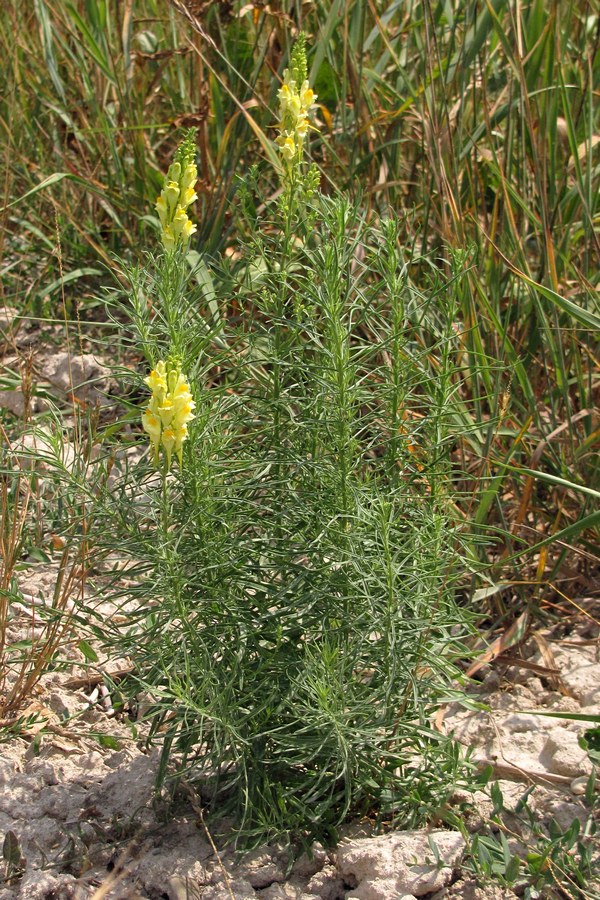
x,y
164,506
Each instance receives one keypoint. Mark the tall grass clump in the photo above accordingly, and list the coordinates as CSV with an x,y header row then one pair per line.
x,y
295,623
50,483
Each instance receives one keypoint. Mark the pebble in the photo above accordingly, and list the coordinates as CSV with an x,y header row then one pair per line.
x,y
579,785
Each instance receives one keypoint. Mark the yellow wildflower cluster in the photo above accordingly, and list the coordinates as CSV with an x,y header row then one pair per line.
x,y
296,100
170,409
177,194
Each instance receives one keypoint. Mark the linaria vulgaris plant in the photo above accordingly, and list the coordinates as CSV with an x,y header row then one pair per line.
x,y
296,623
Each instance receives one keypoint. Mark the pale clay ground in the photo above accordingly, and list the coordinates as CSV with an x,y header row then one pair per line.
x,y
80,809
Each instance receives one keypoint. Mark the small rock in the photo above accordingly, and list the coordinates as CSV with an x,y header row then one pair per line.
x,y
239,887
9,317
54,803
43,769
470,890
519,723
285,892
8,769
563,755
13,401
91,762
261,869
39,885
306,866
64,705
580,671
327,884
579,785
119,758
44,452
180,873
400,863
378,889
83,375
183,888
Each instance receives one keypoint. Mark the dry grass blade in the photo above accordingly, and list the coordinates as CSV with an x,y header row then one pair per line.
x,y
553,673
513,636
31,631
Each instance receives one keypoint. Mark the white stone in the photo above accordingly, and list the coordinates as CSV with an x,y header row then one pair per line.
x,y
183,888
13,401
400,863
580,671
563,756
519,723
261,869
327,884
287,891
8,315
39,885
83,375
378,889
239,887
579,785
306,866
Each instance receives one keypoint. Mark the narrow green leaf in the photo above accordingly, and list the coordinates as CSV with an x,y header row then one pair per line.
x,y
69,276
108,741
87,650
551,479
11,849
51,179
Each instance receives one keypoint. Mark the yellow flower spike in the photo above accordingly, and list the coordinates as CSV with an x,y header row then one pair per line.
x,y
171,194
295,105
307,97
285,95
188,230
187,197
162,210
301,129
177,195
170,409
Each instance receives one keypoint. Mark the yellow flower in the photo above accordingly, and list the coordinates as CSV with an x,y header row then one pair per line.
x,y
152,426
182,227
157,381
180,436
287,146
166,411
168,238
307,97
168,442
170,409
189,179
